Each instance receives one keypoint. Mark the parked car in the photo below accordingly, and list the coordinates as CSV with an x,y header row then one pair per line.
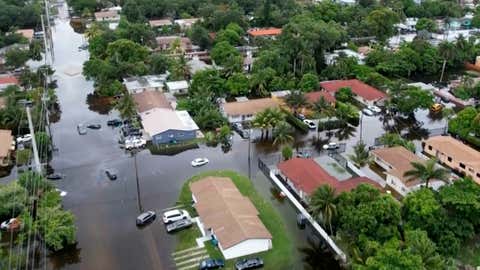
x,y
11,224
174,215
199,162
310,124
435,108
367,112
374,108
24,139
179,225
251,263
55,176
145,218
135,143
300,116
114,122
81,129
301,154
330,146
111,175
83,47
211,264
301,221
62,193
94,126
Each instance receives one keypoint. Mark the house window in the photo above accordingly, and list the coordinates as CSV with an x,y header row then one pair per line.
x,y
180,134
449,159
430,147
462,165
171,136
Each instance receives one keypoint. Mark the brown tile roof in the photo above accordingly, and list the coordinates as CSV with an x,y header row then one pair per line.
x,y
6,139
312,97
251,106
106,14
257,32
456,149
307,176
161,22
27,33
359,88
232,216
148,100
401,161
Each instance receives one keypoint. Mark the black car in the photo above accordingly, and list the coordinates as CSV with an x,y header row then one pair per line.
x,y
111,175
54,176
211,264
94,126
251,263
114,122
145,218
179,225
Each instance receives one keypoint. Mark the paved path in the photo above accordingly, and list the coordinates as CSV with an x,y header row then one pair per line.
x,y
189,258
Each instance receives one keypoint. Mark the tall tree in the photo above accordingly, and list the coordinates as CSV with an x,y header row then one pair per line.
x,y
126,106
361,156
426,171
322,205
296,100
282,133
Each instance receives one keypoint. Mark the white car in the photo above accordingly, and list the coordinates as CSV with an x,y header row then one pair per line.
x,y
330,146
174,215
367,112
25,138
374,108
62,193
199,162
135,143
310,124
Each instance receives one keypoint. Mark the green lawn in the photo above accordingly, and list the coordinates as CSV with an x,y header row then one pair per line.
x,y
279,257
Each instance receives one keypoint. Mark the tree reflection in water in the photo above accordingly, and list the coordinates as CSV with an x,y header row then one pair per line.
x,y
317,256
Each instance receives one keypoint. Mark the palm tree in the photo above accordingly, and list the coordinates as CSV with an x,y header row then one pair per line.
x,y
282,133
322,205
323,107
447,50
260,122
273,116
426,171
126,106
296,100
361,156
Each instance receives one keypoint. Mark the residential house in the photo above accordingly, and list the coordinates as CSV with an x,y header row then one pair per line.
x,y
149,100
165,42
304,176
362,92
160,23
229,217
186,23
7,145
8,80
240,111
195,65
271,33
107,16
396,161
331,58
164,125
27,33
177,87
139,84
454,154
313,97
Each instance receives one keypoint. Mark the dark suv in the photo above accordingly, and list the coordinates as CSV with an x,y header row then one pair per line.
x,y
145,218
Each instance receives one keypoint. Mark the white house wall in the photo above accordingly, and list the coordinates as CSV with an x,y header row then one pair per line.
x,y
246,247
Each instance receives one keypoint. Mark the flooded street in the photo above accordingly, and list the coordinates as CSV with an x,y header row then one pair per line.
x,y
105,210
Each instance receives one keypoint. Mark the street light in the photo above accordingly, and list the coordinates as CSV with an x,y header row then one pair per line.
x,y
249,158
135,152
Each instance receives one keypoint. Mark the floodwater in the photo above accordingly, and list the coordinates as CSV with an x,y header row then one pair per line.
x,y
105,210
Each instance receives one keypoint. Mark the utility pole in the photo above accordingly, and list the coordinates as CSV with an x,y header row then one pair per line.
x,y
140,207
44,38
36,159
249,162
49,28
